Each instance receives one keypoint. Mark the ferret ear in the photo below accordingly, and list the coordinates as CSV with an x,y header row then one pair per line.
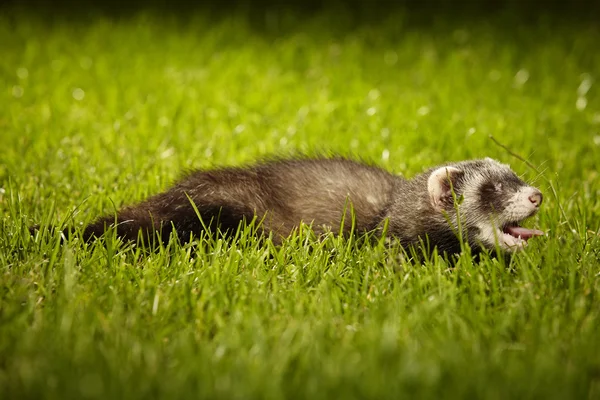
x,y
440,184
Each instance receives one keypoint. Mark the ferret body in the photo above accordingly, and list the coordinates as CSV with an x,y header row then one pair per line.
x,y
340,195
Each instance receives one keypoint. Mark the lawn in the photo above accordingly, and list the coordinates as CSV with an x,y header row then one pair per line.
x,y
101,110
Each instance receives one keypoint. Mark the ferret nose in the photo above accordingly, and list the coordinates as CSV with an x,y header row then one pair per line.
x,y
536,198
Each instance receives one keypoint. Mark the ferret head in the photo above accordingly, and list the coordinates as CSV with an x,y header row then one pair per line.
x,y
492,202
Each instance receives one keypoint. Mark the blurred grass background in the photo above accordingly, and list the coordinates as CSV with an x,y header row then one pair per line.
x,y
105,103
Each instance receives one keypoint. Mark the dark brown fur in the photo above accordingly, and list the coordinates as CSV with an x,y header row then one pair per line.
x,y
330,194
280,193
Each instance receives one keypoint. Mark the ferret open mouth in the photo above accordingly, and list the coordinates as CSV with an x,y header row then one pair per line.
x,y
518,235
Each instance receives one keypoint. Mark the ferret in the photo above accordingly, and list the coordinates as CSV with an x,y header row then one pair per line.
x,y
482,201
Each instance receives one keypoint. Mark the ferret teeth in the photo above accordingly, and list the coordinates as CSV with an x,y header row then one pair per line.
x,y
512,242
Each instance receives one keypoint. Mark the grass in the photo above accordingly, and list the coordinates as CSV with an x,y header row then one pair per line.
x,y
102,111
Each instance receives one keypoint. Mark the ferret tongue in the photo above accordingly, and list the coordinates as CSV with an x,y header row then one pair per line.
x,y
523,233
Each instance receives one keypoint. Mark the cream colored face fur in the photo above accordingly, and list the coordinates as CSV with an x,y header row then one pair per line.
x,y
493,202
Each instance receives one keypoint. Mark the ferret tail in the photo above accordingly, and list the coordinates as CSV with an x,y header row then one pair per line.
x,y
128,225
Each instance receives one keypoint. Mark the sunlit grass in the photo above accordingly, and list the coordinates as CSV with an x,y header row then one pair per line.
x,y
105,111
